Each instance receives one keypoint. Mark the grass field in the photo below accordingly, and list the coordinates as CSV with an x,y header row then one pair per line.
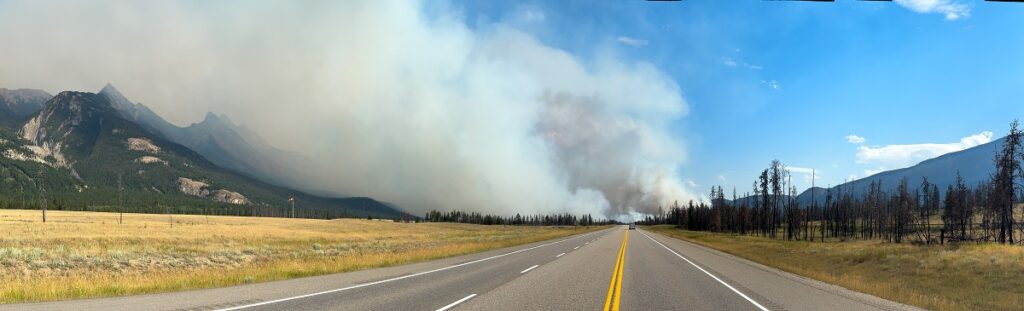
x,y
87,254
957,277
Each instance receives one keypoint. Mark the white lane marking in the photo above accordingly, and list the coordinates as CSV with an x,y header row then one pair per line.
x,y
449,306
576,247
528,269
395,278
759,306
560,255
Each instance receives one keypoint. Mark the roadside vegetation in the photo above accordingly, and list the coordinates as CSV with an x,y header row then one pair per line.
x,y
915,211
88,254
957,248
937,277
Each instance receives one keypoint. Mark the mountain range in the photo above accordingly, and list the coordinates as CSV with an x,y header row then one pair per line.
x,y
83,148
975,165
81,145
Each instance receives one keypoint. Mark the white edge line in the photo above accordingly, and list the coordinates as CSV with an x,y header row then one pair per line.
x,y
560,255
708,273
527,269
395,278
576,247
449,306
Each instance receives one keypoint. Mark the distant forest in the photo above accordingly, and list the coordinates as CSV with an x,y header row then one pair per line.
x,y
916,211
564,219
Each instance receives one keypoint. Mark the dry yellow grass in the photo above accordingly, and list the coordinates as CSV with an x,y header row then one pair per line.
x,y
952,277
87,254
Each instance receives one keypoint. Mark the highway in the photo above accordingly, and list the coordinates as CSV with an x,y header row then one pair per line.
x,y
613,269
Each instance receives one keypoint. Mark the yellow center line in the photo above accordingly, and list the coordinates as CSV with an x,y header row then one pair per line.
x,y
615,287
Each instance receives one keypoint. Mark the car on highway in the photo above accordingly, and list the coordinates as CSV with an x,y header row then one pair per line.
x,y
632,226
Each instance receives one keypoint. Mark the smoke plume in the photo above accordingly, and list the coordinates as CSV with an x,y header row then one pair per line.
x,y
398,100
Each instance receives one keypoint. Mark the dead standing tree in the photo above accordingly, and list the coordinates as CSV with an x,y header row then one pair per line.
x,y
1003,184
42,192
120,200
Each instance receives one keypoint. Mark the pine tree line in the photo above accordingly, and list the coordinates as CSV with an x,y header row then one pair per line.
x,y
914,212
563,219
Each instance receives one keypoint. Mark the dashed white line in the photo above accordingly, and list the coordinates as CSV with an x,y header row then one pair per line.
x,y
528,269
457,302
560,255
395,278
576,247
759,306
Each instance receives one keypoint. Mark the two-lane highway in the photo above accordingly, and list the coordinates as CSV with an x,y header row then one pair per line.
x,y
638,274
614,269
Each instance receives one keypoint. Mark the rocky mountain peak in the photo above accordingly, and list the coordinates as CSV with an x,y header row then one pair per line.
x,y
116,98
214,118
69,121
77,101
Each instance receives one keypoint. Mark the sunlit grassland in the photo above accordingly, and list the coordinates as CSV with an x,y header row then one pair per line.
x,y
87,254
951,277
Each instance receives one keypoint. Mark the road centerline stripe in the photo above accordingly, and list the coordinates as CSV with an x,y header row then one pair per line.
x,y
397,278
611,302
560,255
528,269
759,306
457,302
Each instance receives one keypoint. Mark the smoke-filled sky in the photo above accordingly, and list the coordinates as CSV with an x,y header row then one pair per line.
x,y
398,100
606,107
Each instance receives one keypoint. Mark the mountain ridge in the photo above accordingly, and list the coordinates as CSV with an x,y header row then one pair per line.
x,y
82,147
224,143
974,165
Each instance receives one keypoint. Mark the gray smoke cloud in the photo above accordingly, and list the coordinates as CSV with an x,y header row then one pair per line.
x,y
397,100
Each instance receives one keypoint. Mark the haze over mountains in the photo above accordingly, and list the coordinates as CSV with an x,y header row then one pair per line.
x,y
79,136
18,105
222,142
451,112
83,147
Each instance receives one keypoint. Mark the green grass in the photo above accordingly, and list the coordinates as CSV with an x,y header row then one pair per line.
x,y
951,277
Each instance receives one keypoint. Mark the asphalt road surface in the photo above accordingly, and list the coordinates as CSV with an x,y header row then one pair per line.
x,y
614,269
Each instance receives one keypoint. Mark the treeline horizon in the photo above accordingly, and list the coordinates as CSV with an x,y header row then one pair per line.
x,y
553,219
914,211
210,209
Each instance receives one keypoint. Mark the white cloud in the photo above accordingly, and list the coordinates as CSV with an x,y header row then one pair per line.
x,y
951,9
899,156
872,171
854,139
806,173
733,63
772,84
721,178
631,41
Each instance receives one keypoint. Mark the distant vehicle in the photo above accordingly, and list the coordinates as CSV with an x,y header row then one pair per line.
x,y
632,226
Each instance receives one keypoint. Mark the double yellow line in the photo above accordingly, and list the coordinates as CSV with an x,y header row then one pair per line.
x,y
615,288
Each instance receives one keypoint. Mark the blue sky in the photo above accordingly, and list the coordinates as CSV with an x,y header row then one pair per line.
x,y
792,80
